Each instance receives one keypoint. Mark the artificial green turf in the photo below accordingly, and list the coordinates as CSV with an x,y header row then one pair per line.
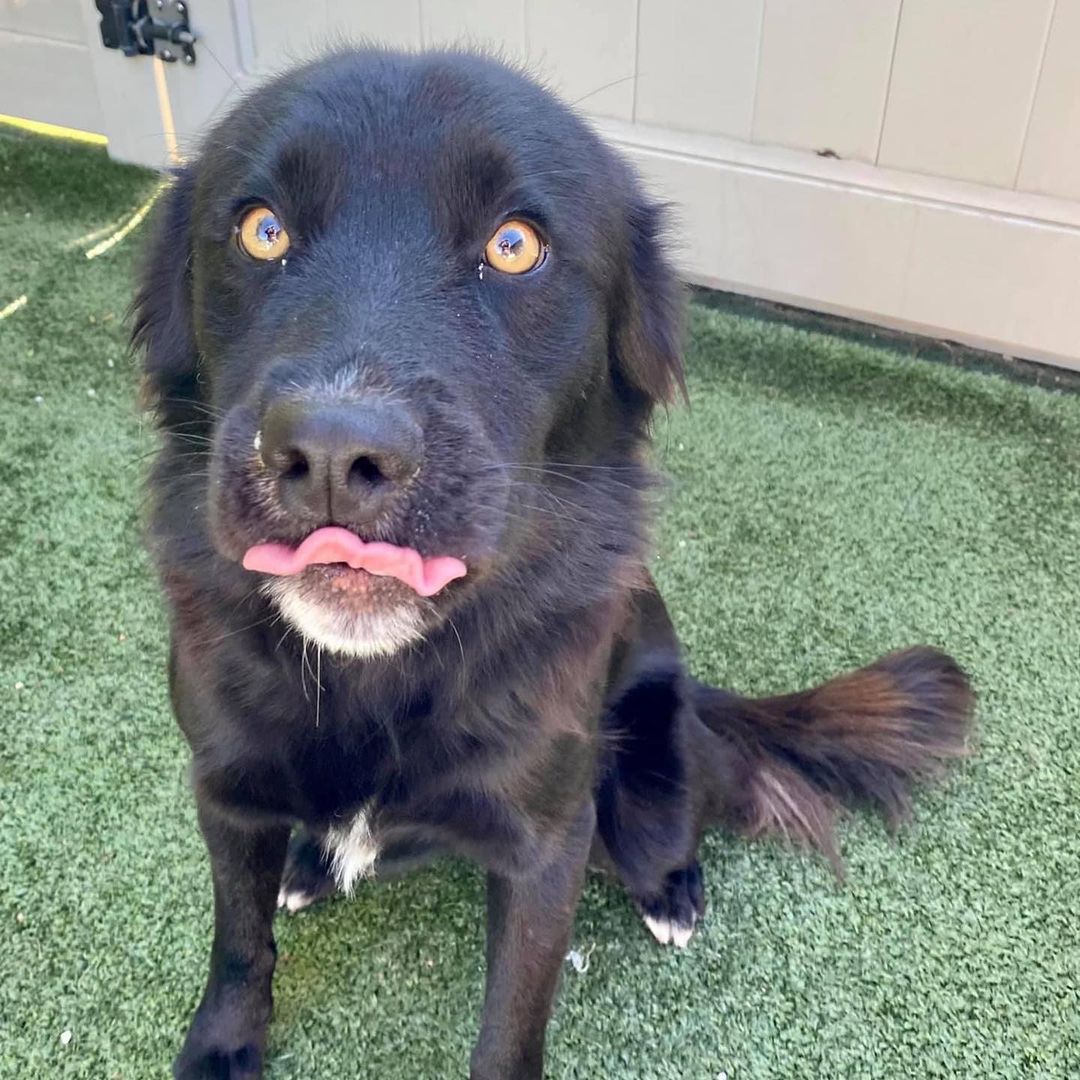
x,y
831,501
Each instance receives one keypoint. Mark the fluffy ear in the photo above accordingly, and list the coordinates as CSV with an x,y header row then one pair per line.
x,y
163,328
648,312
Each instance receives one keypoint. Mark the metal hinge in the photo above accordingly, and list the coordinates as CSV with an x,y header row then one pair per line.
x,y
148,28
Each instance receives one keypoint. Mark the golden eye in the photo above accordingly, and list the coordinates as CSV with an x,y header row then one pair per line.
x,y
516,248
261,235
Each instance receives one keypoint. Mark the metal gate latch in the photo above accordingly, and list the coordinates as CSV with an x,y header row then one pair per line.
x,y
148,28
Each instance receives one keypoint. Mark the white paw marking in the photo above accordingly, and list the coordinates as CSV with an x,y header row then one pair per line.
x,y
660,929
294,900
681,935
352,851
669,933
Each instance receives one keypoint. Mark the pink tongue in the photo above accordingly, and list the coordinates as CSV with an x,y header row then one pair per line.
x,y
334,545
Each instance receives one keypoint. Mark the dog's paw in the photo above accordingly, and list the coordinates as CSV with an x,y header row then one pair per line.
x,y
215,1063
227,1036
307,876
672,914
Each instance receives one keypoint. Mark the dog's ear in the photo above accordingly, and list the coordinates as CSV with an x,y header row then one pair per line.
x,y
647,326
163,326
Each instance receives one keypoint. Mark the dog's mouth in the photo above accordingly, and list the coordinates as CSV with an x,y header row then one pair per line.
x,y
353,596
363,585
347,561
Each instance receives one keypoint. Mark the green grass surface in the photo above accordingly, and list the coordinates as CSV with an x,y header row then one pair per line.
x,y
830,502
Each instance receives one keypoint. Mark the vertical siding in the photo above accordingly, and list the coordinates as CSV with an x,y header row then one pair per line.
x,y
824,73
49,80
58,20
46,64
962,87
1051,160
588,50
487,23
196,93
761,231
804,236
1007,280
982,90
966,90
387,22
697,65
279,38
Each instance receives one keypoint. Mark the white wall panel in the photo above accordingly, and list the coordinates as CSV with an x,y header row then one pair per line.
x,y
48,80
46,67
198,94
488,23
824,73
771,232
587,49
281,36
1007,280
386,22
278,36
699,79
60,20
1051,158
983,93
962,87
997,269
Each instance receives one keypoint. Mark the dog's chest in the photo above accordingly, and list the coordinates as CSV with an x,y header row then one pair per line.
x,y
352,849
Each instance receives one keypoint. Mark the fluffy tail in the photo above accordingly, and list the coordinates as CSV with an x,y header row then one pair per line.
x,y
786,765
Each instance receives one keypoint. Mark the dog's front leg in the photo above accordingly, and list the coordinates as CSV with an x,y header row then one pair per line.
x,y
530,918
227,1037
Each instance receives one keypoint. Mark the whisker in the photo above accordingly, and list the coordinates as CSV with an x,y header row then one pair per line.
x,y
238,630
559,465
545,470
461,646
303,668
606,86
186,436
172,457
213,411
185,423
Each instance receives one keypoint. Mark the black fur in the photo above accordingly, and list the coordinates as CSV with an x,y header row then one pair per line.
x,y
545,714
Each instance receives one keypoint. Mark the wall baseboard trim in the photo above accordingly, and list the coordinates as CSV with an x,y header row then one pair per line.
x,y
996,270
899,342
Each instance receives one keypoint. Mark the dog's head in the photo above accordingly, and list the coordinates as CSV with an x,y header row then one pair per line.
x,y
401,296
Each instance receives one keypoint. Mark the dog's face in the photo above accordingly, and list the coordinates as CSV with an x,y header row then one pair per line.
x,y
393,291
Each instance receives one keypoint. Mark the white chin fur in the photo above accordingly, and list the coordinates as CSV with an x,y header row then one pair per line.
x,y
359,635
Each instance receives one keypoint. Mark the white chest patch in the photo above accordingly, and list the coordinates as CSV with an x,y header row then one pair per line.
x,y
351,850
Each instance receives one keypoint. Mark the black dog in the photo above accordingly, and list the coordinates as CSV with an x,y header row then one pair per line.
x,y
406,320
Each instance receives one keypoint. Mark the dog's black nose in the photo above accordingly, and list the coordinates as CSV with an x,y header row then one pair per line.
x,y
339,462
